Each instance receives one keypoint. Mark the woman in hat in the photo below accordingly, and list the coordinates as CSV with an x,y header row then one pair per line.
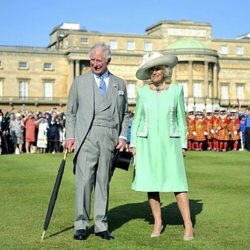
x,y
159,138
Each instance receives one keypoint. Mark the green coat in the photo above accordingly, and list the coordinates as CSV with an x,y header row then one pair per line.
x,y
159,132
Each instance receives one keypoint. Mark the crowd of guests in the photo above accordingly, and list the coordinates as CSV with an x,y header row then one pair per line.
x,y
31,131
44,131
218,130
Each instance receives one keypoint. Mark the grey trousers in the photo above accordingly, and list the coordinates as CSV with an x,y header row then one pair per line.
x,y
93,171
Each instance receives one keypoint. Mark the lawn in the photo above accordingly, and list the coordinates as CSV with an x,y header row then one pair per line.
x,y
219,185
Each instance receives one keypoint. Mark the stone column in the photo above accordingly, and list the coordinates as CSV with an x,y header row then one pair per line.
x,y
77,67
71,73
215,81
206,90
190,79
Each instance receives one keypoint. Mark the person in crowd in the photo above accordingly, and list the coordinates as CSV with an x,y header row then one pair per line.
x,y
191,129
42,139
1,128
209,128
159,138
215,131
200,129
30,131
234,130
96,125
223,133
247,129
54,133
17,132
242,131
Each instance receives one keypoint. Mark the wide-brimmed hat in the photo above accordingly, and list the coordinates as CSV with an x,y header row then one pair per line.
x,y
152,60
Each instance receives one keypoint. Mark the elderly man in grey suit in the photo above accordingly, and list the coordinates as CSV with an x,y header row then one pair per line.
x,y
96,125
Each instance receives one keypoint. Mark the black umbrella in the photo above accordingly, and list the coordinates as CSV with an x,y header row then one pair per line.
x,y
54,194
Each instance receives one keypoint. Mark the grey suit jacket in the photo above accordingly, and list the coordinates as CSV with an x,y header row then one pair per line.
x,y
80,107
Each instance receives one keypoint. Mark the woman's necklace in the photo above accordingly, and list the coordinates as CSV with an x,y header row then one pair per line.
x,y
159,88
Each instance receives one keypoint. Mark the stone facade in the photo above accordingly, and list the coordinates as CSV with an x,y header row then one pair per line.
x,y
212,71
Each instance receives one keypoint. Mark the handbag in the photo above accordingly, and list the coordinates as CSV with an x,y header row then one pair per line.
x,y
122,160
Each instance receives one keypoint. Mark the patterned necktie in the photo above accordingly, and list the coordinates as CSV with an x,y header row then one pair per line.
x,y
102,86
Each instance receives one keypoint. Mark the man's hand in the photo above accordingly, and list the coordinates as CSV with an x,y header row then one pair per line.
x,y
70,144
121,144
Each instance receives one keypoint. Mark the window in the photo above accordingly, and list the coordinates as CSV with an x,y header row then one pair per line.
x,y
131,90
239,50
1,65
224,92
197,89
224,49
240,91
131,45
84,40
48,89
1,87
23,88
23,65
47,66
113,44
148,46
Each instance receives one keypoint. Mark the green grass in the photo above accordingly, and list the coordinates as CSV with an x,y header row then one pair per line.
x,y
219,185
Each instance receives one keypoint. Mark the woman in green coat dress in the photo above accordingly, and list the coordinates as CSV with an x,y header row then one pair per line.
x,y
159,138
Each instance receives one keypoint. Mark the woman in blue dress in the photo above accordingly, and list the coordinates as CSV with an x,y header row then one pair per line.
x,y
158,139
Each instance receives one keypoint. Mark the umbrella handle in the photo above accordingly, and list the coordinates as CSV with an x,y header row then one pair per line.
x,y
65,154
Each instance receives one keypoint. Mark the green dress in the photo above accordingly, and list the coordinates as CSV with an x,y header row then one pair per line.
x,y
159,133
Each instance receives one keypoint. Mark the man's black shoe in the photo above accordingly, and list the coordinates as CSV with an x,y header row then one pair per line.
x,y
106,235
81,234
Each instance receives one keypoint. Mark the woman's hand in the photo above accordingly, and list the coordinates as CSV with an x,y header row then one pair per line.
x,y
132,150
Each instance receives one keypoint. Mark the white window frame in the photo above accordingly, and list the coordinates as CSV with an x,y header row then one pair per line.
x,y
1,87
23,65
47,66
84,40
48,89
224,92
1,65
240,90
130,45
131,90
197,89
148,46
23,88
224,49
239,50
113,44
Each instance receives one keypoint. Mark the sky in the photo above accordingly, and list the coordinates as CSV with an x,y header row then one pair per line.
x,y
29,22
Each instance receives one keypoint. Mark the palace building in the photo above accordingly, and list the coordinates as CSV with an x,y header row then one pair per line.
x,y
212,71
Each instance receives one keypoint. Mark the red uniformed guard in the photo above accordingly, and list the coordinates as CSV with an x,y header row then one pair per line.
x,y
223,134
216,121
191,129
209,129
200,130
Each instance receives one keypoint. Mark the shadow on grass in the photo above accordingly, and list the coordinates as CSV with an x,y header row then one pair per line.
x,y
123,214
170,213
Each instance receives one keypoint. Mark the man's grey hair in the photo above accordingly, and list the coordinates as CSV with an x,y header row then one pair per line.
x,y
105,48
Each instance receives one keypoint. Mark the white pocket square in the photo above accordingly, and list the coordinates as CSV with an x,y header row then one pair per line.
x,y
120,92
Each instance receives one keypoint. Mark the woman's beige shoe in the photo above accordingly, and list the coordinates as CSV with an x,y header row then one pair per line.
x,y
187,238
154,235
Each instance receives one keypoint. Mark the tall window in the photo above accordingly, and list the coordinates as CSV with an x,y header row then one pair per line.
x,y
148,46
47,66
224,92
131,90
23,88
48,90
240,91
197,89
1,87
131,45
113,44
